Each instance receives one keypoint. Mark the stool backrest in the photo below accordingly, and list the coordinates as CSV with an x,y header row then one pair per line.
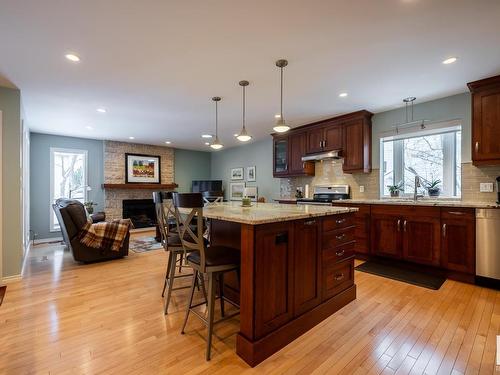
x,y
165,215
189,210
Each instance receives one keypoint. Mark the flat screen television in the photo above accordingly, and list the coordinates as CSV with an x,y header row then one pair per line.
x,y
200,186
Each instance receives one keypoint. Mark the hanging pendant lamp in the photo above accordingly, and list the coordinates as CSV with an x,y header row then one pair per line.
x,y
281,126
244,136
216,144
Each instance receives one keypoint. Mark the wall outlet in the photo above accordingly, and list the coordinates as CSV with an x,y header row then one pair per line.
x,y
486,187
361,189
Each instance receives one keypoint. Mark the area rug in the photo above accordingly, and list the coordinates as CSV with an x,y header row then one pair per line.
x,y
143,244
398,273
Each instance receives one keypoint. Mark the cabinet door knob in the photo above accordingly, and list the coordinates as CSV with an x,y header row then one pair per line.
x,y
339,276
340,253
444,230
340,236
340,221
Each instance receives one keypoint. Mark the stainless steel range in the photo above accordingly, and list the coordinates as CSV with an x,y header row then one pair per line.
x,y
325,194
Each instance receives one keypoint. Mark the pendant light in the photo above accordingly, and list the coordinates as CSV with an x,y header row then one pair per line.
x,y
243,136
216,145
281,126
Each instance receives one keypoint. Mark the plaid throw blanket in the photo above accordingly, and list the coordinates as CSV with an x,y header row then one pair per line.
x,y
105,235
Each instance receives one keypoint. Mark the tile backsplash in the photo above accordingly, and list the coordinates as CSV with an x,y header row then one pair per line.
x,y
330,172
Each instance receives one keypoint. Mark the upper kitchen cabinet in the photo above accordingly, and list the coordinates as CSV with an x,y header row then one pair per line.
x,y
485,121
287,156
325,137
357,130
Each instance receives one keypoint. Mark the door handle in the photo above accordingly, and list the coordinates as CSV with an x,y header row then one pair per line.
x,y
456,213
340,236
320,144
399,225
339,276
477,146
444,230
404,225
310,222
324,143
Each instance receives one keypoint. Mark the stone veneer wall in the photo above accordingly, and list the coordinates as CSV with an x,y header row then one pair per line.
x,y
330,172
114,173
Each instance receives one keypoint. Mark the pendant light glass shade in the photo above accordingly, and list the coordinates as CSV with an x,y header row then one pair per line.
x,y
244,136
281,126
216,144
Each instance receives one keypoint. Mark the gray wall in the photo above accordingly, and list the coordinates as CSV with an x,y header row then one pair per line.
x,y
40,176
449,108
10,105
258,154
189,166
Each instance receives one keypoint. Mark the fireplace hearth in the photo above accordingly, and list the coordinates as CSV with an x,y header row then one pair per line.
x,y
140,211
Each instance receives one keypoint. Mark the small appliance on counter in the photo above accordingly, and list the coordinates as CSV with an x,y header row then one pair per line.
x,y
325,194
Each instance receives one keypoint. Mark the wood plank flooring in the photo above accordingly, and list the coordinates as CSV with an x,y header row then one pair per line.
x,y
107,318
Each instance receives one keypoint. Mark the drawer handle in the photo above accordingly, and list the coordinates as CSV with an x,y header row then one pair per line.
x,y
477,146
444,230
399,225
404,226
340,236
340,221
456,213
340,253
310,222
339,276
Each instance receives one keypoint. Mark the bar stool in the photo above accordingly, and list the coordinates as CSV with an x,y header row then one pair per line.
x,y
213,261
170,240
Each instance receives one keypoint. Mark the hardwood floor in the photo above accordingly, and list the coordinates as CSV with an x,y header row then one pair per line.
x,y
66,318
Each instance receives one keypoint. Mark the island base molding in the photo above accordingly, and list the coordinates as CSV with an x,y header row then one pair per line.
x,y
254,352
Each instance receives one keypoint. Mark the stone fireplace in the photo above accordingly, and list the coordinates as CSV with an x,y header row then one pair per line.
x,y
140,211
114,173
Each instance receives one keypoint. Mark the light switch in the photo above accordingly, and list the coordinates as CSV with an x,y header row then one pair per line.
x,y
361,189
486,187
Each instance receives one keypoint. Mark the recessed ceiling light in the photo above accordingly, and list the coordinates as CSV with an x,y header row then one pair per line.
x,y
101,110
168,142
72,57
131,137
343,94
207,143
89,127
207,136
449,60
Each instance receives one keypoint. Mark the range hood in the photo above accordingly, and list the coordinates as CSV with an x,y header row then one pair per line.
x,y
323,156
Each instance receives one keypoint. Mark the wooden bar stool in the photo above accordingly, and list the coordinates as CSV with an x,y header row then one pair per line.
x,y
211,261
171,242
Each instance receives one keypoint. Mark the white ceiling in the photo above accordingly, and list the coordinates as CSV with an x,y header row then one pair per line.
x,y
154,65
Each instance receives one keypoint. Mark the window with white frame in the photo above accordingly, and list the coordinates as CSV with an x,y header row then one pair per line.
x,y
68,178
432,154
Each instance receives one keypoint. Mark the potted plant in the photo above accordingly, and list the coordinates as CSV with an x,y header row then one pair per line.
x,y
433,188
90,207
395,189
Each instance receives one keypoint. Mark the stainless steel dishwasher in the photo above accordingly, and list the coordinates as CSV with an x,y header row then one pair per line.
x,y
488,246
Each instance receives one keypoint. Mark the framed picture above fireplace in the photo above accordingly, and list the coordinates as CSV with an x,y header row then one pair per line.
x,y
142,169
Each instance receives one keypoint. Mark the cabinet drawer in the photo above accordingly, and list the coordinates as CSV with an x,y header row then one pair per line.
x,y
337,237
338,254
337,277
458,213
338,221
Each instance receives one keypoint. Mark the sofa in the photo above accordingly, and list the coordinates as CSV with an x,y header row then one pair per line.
x,y
72,217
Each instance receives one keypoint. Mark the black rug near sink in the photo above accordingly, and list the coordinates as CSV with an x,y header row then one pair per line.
x,y
399,273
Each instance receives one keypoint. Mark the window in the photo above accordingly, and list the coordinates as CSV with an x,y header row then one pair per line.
x,y
68,178
433,154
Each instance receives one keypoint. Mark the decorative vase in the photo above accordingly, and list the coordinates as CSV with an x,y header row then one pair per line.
x,y
395,194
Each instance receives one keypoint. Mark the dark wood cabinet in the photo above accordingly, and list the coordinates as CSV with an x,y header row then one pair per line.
x,y
287,156
362,222
485,121
307,266
357,149
315,139
386,233
274,261
327,137
421,238
458,237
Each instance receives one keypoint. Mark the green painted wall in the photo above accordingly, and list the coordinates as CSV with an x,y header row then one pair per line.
x,y
40,176
189,166
10,105
258,154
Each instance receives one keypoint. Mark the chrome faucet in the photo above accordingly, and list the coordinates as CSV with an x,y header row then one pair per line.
x,y
417,185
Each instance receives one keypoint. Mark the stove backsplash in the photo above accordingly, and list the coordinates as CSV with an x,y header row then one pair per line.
x,y
330,172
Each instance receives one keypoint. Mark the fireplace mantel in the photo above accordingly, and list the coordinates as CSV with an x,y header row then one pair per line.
x,y
140,186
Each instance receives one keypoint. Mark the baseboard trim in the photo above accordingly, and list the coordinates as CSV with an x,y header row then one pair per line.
x,y
47,240
10,279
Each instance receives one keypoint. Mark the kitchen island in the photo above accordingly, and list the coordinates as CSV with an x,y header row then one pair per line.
x,y
297,268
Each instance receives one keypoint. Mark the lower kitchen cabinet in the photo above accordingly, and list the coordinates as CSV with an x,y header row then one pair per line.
x,y
421,238
458,238
362,227
385,233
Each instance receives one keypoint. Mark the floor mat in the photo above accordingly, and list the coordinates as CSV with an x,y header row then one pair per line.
x,y
143,244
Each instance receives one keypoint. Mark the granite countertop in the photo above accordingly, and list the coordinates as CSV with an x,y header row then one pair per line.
x,y
423,202
262,213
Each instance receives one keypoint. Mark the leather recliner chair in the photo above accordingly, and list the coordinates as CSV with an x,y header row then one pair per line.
x,y
72,216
